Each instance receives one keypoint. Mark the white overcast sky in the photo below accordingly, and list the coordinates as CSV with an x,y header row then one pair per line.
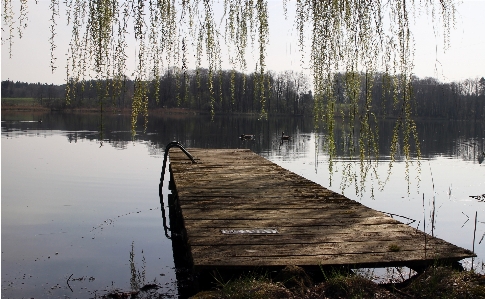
x,y
465,59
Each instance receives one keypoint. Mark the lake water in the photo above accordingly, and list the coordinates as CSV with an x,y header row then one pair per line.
x,y
81,214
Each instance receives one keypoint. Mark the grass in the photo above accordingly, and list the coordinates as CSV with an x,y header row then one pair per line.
x,y
435,282
293,282
443,282
257,286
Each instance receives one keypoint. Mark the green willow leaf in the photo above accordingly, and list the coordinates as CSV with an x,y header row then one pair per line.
x,y
344,43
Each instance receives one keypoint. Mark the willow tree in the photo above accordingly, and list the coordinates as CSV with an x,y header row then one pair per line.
x,y
355,37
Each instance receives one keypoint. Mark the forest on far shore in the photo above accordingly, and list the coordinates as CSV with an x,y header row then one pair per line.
x,y
286,93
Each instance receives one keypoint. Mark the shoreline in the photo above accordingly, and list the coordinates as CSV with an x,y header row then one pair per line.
x,y
165,112
127,111
38,108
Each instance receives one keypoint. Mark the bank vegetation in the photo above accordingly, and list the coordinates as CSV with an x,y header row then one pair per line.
x,y
288,93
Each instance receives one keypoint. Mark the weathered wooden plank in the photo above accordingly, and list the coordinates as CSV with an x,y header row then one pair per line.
x,y
404,249
290,222
387,259
265,213
309,235
266,203
278,239
239,190
307,231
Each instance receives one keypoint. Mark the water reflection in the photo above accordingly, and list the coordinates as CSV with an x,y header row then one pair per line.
x,y
437,138
76,187
469,149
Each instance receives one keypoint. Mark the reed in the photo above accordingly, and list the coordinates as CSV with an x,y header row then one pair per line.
x,y
474,234
137,278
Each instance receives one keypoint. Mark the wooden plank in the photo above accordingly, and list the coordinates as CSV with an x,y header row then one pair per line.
x,y
239,190
291,222
387,259
315,232
321,249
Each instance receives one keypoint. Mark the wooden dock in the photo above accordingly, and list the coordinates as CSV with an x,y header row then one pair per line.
x,y
240,210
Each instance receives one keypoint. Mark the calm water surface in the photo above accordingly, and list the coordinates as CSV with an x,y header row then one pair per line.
x,y
76,202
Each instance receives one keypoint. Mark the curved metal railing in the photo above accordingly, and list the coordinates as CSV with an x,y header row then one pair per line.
x,y
167,148
160,193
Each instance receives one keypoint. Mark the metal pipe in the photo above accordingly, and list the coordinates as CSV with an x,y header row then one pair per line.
x,y
167,148
160,193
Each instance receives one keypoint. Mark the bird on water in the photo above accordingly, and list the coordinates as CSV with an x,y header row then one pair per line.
x,y
246,137
284,137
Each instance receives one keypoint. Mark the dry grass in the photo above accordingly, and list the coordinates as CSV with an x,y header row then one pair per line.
x,y
442,282
436,282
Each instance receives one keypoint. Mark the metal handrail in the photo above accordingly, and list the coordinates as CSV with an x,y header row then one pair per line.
x,y
160,193
167,148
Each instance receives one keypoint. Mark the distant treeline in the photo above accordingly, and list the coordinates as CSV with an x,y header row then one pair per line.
x,y
431,99
232,92
235,92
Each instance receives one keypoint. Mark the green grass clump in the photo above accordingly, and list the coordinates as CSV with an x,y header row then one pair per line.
x,y
248,286
445,282
348,286
394,248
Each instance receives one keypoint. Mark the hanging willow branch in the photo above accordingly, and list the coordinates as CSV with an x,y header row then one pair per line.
x,y
359,38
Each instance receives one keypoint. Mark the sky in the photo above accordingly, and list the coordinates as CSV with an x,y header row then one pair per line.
x,y
464,59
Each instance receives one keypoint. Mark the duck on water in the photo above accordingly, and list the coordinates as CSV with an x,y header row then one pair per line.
x,y
246,137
